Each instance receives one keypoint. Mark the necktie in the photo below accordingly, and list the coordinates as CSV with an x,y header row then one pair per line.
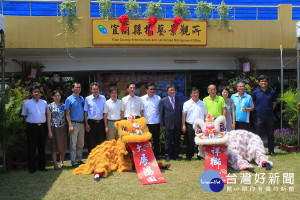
x,y
173,104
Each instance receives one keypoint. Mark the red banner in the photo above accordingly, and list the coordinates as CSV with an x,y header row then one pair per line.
x,y
216,159
145,163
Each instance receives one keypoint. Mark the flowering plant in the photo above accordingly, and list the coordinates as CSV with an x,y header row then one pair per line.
x,y
286,136
251,84
46,84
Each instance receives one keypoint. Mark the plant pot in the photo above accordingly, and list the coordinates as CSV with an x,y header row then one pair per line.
x,y
9,162
291,148
21,166
284,146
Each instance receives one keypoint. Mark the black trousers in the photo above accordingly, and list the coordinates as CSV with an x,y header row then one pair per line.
x,y
190,140
155,131
172,142
266,125
242,125
36,138
97,133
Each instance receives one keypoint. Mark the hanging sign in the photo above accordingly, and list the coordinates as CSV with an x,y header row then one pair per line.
x,y
108,32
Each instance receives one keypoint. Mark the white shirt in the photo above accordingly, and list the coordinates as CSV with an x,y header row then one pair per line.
x,y
113,109
94,107
151,108
35,111
132,106
194,110
170,98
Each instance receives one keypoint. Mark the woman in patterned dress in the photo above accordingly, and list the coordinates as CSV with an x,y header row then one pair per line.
x,y
57,131
230,115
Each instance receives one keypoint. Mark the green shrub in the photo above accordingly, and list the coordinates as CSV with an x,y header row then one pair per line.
x,y
14,128
290,107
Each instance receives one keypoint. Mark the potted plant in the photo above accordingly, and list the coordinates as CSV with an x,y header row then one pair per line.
x,y
154,10
19,153
223,12
180,9
105,9
14,131
132,9
68,19
204,10
290,107
286,138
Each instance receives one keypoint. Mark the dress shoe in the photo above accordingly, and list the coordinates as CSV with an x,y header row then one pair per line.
x,y
272,154
251,169
97,178
188,159
75,165
178,159
200,158
80,162
56,168
267,166
166,166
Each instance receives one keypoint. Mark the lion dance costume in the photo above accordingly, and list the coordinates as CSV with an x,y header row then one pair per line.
x,y
243,146
115,155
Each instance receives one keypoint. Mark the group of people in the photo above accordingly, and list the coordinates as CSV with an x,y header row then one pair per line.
x,y
96,116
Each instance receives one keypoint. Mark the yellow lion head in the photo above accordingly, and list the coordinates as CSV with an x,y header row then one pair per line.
x,y
134,131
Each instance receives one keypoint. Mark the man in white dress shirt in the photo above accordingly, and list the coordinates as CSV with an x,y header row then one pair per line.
x,y
192,109
151,113
93,117
112,113
34,115
132,104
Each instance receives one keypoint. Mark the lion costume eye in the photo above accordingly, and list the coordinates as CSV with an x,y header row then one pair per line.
x,y
199,130
222,128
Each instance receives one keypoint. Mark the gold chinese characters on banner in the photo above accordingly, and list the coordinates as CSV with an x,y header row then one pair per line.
x,y
107,32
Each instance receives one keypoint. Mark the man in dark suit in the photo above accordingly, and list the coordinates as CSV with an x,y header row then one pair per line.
x,y
170,109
